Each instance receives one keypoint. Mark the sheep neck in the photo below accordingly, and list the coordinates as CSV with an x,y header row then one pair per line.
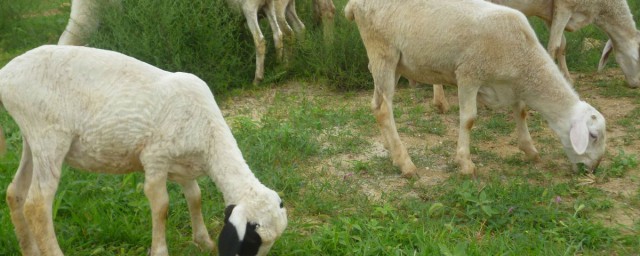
x,y
230,172
553,97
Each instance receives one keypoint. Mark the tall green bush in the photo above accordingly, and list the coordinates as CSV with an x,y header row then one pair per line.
x,y
211,40
203,37
343,63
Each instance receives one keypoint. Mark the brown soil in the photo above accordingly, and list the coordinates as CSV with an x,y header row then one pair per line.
x,y
442,166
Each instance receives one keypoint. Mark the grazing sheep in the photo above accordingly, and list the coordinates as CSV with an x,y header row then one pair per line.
x,y
105,112
488,51
612,16
84,20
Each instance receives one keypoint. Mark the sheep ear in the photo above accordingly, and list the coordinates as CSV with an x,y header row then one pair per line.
x,y
233,231
608,48
579,135
251,242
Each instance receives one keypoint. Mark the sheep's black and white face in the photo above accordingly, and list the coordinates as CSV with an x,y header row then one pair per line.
x,y
252,228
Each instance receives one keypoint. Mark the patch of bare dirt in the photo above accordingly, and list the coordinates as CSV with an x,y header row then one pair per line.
x,y
435,168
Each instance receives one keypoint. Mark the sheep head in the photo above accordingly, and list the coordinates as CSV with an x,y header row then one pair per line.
x,y
628,56
586,139
251,227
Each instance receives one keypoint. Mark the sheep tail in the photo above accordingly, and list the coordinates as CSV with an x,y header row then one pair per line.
x,y
348,10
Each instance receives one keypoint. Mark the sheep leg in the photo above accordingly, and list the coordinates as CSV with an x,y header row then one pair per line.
x,y
155,188
324,12
82,22
294,20
524,138
192,193
48,152
251,14
272,16
557,41
385,79
439,99
561,55
16,195
562,59
467,96
280,8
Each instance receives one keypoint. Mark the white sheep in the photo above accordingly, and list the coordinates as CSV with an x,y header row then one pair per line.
x,y
488,51
105,112
612,16
84,19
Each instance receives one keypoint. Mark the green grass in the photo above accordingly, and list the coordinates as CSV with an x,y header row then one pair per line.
x,y
308,133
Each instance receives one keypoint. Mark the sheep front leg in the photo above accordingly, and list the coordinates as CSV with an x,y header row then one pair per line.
x,y
562,59
560,54
16,196
385,79
524,138
192,193
557,41
251,14
155,188
82,22
467,95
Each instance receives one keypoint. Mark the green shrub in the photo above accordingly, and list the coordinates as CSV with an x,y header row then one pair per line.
x,y
203,37
211,40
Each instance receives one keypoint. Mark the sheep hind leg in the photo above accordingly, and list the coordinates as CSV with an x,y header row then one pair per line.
x,y
277,29
48,152
258,39
385,80
525,143
193,196
16,196
294,20
439,99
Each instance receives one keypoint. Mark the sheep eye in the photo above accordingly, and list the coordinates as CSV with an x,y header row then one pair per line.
x,y
593,117
281,204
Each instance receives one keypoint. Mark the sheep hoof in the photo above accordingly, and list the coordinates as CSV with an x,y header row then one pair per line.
x,y
633,86
533,157
443,107
467,167
410,174
530,153
409,169
204,244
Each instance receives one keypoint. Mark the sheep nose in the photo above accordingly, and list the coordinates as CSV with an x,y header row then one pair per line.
x,y
595,166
